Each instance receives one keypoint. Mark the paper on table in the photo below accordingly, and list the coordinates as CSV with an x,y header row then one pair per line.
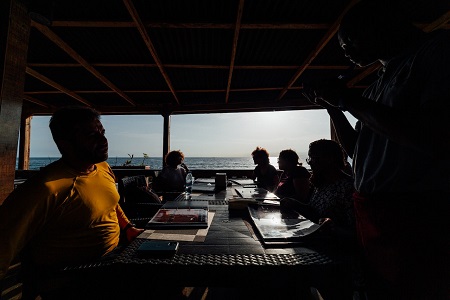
x,y
181,235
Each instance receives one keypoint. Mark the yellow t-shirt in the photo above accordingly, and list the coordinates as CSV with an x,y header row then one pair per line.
x,y
61,216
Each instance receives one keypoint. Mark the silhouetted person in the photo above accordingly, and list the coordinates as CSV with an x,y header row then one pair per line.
x,y
67,213
173,176
400,150
294,181
265,174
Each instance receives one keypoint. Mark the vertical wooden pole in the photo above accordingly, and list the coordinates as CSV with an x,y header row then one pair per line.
x,y
166,135
14,35
24,143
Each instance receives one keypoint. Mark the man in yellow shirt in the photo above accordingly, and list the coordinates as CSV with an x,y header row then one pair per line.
x,y
68,212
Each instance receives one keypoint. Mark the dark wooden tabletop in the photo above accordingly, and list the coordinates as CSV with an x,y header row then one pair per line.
x,y
231,255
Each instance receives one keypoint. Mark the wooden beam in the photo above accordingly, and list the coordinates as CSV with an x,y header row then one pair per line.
x,y
438,23
161,91
166,135
241,106
323,42
165,25
245,106
184,66
57,86
369,70
72,53
112,24
237,28
24,143
93,24
38,102
140,26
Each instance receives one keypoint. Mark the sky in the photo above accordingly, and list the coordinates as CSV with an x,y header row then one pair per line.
x,y
201,135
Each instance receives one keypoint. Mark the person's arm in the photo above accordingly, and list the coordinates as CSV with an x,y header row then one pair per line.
x,y
423,124
130,231
346,134
340,232
275,181
302,189
22,216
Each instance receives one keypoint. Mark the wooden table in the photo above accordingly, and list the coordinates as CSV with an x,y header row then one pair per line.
x,y
230,256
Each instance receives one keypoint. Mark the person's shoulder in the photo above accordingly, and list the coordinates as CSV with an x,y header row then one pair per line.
x,y
103,165
105,168
301,172
42,183
437,44
51,171
272,168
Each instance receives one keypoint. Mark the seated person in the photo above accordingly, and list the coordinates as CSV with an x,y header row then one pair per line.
x,y
294,181
135,189
68,213
173,176
332,187
265,175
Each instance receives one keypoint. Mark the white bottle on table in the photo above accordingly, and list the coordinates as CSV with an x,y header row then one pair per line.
x,y
189,184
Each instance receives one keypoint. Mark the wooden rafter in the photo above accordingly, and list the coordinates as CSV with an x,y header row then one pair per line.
x,y
57,86
369,70
121,24
66,48
438,23
36,101
237,28
167,91
323,42
148,42
109,24
183,66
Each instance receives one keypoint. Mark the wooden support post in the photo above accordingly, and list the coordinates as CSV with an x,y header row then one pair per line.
x,y
24,143
166,135
14,35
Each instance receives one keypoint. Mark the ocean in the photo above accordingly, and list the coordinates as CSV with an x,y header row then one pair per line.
x,y
155,163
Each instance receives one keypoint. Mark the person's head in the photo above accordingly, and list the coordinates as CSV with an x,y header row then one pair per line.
x,y
79,134
174,158
373,30
260,156
288,159
326,154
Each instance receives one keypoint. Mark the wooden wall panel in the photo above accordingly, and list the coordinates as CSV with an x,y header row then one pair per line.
x,y
13,54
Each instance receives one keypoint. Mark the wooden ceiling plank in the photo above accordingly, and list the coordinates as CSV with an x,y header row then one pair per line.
x,y
237,28
323,42
72,53
148,42
57,86
438,23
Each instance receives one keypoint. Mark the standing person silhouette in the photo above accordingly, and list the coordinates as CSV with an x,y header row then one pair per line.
x,y
400,150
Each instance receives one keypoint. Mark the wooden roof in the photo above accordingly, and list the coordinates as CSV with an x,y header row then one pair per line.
x,y
193,56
